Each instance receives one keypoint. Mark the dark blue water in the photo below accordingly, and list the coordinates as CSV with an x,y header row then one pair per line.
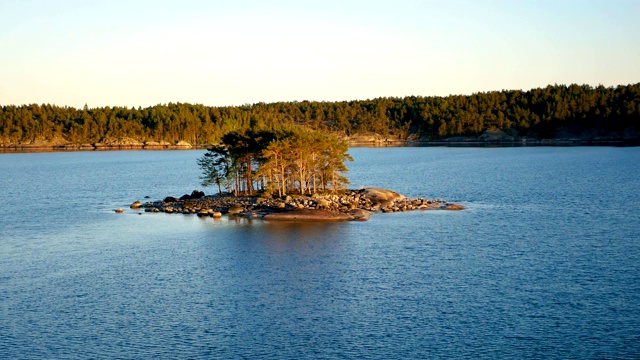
x,y
544,263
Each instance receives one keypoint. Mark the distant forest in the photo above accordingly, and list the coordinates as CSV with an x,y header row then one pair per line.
x,y
538,113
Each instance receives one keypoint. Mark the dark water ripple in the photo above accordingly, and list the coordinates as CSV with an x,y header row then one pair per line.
x,y
544,263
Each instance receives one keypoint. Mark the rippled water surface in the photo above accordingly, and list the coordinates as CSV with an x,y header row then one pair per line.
x,y
545,261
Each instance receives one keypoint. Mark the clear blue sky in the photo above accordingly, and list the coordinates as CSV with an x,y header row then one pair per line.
x,y
143,53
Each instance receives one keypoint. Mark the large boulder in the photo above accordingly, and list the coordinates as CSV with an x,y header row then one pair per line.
x,y
495,135
182,144
136,205
381,195
195,194
452,207
169,199
205,212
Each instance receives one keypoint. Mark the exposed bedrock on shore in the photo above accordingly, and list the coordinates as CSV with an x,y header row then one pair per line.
x,y
350,205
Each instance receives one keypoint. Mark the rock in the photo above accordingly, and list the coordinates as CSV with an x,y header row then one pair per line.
x,y
235,209
203,212
323,203
360,214
152,144
195,194
429,206
309,215
119,210
495,135
217,214
387,203
183,144
136,205
452,207
169,199
156,145
376,194
185,197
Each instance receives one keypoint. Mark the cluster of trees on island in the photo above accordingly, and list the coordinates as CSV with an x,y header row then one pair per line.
x,y
291,159
538,112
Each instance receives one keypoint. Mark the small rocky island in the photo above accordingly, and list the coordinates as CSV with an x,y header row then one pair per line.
x,y
292,173
350,205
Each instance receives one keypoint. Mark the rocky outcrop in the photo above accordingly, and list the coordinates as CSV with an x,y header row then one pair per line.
x,y
183,144
360,214
118,143
156,145
349,205
562,136
376,194
196,194
372,139
453,207
61,144
495,135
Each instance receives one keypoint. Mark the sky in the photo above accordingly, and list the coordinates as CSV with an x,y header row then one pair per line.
x,y
228,53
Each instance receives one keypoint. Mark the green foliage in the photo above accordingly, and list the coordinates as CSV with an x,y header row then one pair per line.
x,y
289,159
539,111
215,165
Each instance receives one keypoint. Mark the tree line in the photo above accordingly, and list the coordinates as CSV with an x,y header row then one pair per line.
x,y
291,159
538,112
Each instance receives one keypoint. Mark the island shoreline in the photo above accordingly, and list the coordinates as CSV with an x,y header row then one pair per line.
x,y
349,205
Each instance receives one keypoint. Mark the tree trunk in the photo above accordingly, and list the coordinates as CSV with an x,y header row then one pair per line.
x,y
249,177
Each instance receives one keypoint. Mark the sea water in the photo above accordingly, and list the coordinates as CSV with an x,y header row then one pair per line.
x,y
544,261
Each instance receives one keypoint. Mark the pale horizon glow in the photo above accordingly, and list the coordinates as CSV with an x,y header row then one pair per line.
x,y
227,53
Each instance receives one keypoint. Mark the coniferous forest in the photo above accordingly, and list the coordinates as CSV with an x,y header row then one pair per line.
x,y
294,159
538,113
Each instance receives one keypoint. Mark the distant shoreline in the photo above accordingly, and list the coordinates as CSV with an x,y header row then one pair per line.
x,y
27,148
